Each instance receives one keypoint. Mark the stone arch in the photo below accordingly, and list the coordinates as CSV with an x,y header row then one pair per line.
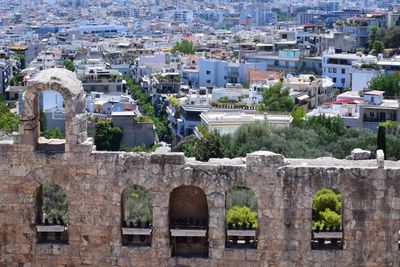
x,y
189,218
188,201
65,83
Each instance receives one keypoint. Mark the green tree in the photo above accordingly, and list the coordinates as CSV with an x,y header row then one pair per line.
x,y
381,139
43,122
209,146
160,120
377,47
55,202
9,121
185,47
22,63
327,208
389,84
137,204
17,79
298,115
276,98
107,136
241,196
69,65
57,133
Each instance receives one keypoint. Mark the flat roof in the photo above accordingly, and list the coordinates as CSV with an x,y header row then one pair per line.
x,y
374,92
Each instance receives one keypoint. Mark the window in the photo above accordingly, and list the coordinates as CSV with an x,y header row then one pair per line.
x,y
343,71
52,214
137,216
208,81
343,80
208,72
334,70
327,230
334,79
241,220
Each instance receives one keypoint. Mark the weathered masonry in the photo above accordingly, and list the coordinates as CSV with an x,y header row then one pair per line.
x,y
95,181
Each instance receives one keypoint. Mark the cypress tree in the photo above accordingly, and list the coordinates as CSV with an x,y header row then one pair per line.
x,y
381,140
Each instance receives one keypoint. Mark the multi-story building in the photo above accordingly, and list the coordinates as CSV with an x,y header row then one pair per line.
x,y
376,109
5,74
339,66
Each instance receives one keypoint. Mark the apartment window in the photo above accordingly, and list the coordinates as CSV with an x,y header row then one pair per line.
x,y
330,70
334,80
343,71
334,70
208,81
343,81
208,72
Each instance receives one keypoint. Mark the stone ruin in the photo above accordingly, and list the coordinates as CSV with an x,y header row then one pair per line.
x,y
94,182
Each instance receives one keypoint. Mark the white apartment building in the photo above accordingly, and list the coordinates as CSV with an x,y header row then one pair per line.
x,y
338,67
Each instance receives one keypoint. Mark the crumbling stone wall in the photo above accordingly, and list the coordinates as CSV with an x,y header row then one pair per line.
x,y
94,182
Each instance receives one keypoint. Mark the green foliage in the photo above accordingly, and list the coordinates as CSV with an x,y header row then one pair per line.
x,y
9,122
185,47
22,63
69,65
57,133
174,101
321,137
55,202
327,208
160,120
142,119
208,146
107,137
17,79
276,98
141,148
137,204
43,122
188,145
241,215
377,47
241,196
389,84
381,139
298,115
389,37
370,66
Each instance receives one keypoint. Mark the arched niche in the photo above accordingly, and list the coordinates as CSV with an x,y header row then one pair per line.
x,y
65,83
327,220
188,215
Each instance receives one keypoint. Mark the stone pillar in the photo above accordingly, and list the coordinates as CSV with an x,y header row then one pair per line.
x,y
216,225
160,241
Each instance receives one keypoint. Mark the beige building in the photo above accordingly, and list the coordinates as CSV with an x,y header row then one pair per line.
x,y
229,122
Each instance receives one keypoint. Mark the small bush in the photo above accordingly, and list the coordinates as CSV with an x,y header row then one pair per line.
x,y
238,216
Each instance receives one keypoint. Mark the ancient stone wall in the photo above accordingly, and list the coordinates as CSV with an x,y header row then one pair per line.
x,y
94,182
